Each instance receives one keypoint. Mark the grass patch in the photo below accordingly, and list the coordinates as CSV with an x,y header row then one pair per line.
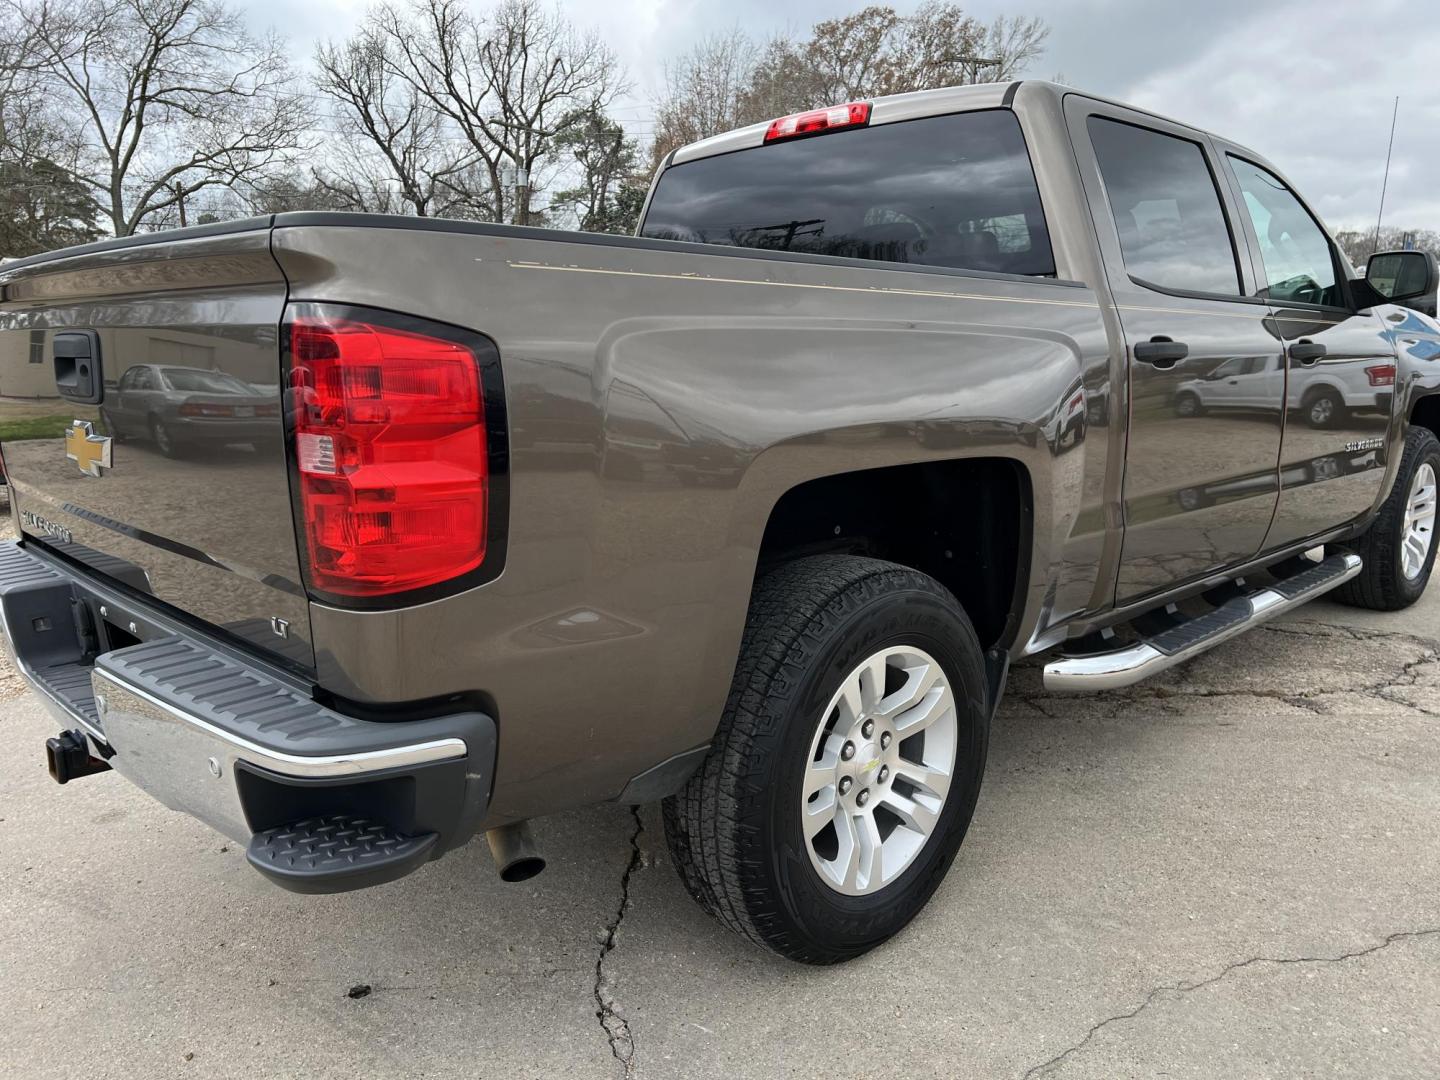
x,y
35,427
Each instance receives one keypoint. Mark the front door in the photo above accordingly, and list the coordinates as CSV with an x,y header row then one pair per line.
x,y
1206,399
1341,364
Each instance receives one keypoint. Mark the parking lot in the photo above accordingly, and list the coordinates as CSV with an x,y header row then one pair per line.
x,y
1229,872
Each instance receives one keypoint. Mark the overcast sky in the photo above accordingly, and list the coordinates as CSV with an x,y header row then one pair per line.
x,y
1308,83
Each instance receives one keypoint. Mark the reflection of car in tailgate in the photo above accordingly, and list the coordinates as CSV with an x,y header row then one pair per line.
x,y
170,372
176,407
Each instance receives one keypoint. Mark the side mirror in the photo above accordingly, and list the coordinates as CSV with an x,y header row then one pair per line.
x,y
1409,278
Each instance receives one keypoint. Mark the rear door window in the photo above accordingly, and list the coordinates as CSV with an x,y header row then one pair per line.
x,y
1167,209
955,191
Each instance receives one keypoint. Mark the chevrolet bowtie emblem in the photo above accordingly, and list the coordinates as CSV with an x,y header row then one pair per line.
x,y
89,451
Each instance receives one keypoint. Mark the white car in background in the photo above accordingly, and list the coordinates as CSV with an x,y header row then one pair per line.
x,y
1253,382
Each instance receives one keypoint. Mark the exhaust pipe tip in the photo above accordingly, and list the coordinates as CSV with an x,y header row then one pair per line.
x,y
514,851
522,869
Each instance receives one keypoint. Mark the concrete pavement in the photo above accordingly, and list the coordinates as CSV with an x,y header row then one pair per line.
x,y
1232,871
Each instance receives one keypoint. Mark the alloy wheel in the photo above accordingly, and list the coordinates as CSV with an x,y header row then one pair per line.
x,y
1419,529
879,770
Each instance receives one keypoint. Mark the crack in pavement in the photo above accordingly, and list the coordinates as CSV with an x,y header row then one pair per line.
x,y
1386,689
616,1027
1181,988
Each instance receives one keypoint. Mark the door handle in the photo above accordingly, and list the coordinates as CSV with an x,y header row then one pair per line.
x,y
1306,352
76,356
1161,351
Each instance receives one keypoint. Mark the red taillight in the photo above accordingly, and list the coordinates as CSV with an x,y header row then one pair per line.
x,y
192,409
855,114
1381,375
391,446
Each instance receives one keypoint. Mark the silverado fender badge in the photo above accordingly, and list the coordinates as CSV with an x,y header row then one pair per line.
x,y
1364,444
89,451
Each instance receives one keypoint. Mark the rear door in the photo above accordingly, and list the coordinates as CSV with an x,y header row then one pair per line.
x,y
1200,474
1341,363
190,505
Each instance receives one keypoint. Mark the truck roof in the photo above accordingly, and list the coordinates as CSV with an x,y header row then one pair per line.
x,y
894,108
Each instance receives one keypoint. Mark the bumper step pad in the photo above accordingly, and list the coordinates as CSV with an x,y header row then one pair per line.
x,y
336,853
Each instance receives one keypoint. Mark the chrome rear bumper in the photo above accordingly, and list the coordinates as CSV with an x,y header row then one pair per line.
x,y
246,748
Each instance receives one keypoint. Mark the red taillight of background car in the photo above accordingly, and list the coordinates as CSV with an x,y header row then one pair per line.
x,y
191,408
391,450
1381,374
855,114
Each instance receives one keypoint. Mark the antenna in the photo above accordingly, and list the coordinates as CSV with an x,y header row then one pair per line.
x,y
1386,182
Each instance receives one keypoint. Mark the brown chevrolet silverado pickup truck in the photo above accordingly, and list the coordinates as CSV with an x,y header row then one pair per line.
x,y
357,536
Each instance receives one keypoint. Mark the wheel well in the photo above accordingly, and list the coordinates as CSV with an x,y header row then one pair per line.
x,y
965,523
1426,413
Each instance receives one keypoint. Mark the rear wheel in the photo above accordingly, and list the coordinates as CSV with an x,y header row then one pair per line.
x,y
847,764
161,437
1187,403
1323,409
1399,546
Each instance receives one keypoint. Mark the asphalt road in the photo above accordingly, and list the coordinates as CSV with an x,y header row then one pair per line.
x,y
1231,872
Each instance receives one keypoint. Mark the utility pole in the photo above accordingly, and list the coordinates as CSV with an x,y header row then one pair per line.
x,y
180,201
522,172
975,63
522,196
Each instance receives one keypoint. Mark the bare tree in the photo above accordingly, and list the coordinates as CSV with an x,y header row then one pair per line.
x,y
22,125
1360,244
41,205
1011,44
704,92
509,84
393,134
871,52
163,99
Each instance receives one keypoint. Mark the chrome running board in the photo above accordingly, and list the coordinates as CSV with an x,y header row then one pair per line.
x,y
1187,638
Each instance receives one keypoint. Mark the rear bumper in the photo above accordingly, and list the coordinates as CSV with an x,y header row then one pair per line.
x,y
325,801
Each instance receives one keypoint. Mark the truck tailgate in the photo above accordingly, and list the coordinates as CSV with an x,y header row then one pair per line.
x,y
142,426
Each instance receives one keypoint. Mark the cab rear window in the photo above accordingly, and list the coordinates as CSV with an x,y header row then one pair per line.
x,y
955,191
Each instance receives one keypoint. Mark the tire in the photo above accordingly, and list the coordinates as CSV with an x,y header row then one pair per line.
x,y
110,428
1323,408
735,831
161,437
1187,404
1383,583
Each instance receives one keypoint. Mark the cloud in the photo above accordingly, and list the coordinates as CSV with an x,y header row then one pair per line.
x,y
1311,87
